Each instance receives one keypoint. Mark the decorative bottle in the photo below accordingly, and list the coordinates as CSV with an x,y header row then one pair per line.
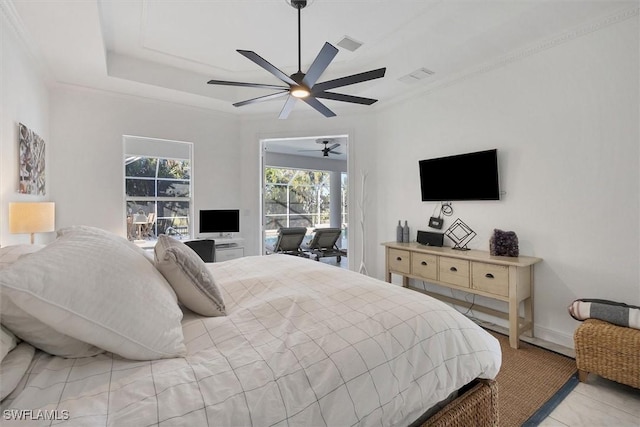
x,y
399,231
405,232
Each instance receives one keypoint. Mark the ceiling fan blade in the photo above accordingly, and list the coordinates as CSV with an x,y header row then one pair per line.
x,y
311,150
336,145
322,61
266,65
288,106
319,106
256,85
261,98
345,98
335,152
349,80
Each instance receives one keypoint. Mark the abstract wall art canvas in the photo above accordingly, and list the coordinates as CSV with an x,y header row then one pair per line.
x,y
31,147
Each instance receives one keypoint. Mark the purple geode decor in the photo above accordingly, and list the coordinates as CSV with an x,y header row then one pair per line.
x,y
503,243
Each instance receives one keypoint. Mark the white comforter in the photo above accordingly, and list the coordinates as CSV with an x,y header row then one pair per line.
x,y
303,344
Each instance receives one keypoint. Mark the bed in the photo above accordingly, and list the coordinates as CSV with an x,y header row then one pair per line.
x,y
299,343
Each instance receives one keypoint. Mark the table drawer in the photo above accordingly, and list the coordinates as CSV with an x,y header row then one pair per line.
x,y
400,261
424,265
454,271
490,278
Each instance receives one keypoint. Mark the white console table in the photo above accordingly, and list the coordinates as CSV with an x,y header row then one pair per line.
x,y
228,248
477,272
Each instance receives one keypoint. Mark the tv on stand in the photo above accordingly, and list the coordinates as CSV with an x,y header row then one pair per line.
x,y
222,222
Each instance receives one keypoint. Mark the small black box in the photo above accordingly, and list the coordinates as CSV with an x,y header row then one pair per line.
x,y
435,222
430,239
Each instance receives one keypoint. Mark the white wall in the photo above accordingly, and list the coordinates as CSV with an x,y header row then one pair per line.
x,y
24,98
87,181
565,123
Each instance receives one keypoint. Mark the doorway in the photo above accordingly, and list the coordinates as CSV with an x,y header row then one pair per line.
x,y
305,184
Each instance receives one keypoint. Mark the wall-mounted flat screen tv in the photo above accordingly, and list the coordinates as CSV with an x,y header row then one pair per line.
x,y
469,176
220,221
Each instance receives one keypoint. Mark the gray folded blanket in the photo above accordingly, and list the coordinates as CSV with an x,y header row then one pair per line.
x,y
618,313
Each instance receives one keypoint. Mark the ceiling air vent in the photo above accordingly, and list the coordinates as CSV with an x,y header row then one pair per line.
x,y
418,74
349,43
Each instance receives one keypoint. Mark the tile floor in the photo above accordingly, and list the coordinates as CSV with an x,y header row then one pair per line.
x,y
598,402
595,403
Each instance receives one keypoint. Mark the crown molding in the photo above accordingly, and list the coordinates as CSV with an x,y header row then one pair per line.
x,y
520,54
9,14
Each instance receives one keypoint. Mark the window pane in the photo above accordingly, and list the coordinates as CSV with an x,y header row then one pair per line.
x,y
176,226
176,169
173,188
275,222
173,218
140,166
301,221
275,199
140,207
140,187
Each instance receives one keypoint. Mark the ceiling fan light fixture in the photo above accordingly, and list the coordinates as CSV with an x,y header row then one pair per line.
x,y
300,92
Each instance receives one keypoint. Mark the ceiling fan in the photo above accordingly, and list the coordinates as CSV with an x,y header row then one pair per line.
x,y
303,86
326,150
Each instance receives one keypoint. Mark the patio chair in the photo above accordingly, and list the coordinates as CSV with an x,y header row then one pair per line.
x,y
323,244
289,241
147,229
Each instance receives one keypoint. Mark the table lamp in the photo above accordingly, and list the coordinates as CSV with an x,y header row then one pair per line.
x,y
31,217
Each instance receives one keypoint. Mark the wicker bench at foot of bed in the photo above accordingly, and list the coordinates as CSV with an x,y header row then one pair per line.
x,y
611,351
477,407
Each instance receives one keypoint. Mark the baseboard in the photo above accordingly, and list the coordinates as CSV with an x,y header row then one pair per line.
x,y
545,338
554,336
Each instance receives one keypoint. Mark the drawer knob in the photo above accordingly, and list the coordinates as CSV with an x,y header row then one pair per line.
x,y
399,259
453,269
424,263
489,276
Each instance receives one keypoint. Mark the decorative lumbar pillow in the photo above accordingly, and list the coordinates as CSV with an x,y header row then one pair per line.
x,y
97,289
617,313
189,277
503,243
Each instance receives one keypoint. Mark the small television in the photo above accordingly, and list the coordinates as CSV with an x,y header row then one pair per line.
x,y
469,176
220,221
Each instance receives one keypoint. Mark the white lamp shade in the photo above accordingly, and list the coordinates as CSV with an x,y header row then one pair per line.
x,y
35,217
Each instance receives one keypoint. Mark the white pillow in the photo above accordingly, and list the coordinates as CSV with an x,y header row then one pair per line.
x,y
86,229
8,341
189,276
97,288
10,254
37,332
13,368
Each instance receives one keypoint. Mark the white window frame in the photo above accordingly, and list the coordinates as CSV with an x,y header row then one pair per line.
x,y
162,149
